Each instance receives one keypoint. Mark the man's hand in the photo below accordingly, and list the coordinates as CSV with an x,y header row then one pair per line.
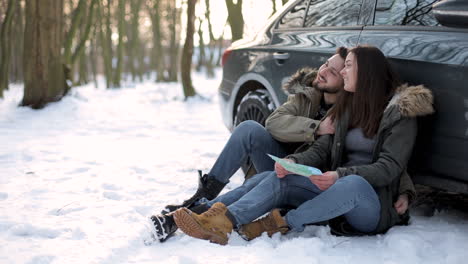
x,y
401,205
325,180
280,170
326,127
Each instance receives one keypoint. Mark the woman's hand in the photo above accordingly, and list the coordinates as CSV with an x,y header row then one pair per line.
x,y
326,127
280,170
401,205
325,180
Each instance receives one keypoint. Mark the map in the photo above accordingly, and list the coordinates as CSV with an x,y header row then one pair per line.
x,y
297,168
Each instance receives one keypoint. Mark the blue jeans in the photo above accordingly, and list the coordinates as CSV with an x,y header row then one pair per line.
x,y
249,139
351,196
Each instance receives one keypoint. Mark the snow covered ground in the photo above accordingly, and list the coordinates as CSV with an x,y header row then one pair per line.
x,y
79,179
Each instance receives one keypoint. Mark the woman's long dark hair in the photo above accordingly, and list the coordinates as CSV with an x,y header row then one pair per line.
x,y
376,84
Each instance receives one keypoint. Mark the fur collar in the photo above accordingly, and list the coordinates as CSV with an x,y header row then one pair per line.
x,y
413,101
300,81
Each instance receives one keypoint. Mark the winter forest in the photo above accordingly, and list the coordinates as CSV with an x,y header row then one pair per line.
x,y
53,46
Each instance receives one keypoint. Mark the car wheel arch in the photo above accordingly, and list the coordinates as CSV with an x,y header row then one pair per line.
x,y
251,82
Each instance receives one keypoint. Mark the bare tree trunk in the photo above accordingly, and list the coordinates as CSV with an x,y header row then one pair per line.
x,y
201,48
208,19
212,46
129,46
5,48
141,56
235,18
85,36
105,40
78,15
174,41
158,61
94,56
158,56
16,71
82,68
44,74
186,62
140,49
78,58
121,29
133,43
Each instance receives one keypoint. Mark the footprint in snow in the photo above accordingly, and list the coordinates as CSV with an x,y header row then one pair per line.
x,y
109,186
41,260
69,208
112,196
78,234
78,170
3,196
139,170
28,230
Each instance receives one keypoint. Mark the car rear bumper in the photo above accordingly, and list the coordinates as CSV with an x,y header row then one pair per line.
x,y
225,104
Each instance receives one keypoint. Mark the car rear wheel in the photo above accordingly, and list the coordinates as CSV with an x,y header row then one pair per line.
x,y
255,105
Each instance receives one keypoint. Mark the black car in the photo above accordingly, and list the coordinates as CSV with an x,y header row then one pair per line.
x,y
425,40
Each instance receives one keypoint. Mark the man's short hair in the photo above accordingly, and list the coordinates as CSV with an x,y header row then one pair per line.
x,y
342,51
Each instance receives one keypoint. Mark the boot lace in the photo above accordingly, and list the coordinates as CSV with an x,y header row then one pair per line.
x,y
214,211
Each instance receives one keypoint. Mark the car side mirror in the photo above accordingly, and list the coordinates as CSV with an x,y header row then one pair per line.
x,y
451,13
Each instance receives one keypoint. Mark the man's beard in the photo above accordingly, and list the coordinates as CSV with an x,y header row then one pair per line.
x,y
325,89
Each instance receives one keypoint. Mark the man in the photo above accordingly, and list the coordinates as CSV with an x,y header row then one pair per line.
x,y
295,123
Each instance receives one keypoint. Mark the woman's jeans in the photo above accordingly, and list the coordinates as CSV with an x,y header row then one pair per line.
x,y
249,139
351,196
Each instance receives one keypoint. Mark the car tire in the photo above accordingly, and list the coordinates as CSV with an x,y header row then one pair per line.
x,y
255,105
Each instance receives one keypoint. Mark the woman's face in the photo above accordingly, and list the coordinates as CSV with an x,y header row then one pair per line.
x,y
349,73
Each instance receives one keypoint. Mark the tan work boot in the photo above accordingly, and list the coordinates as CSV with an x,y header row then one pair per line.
x,y
272,223
212,225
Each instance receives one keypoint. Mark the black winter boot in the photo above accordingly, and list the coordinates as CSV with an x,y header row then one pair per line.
x,y
164,225
208,187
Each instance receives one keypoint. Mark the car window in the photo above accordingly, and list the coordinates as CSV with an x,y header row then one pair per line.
x,y
405,13
295,16
326,13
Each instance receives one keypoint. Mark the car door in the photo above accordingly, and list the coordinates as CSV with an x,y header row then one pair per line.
x,y
308,34
424,52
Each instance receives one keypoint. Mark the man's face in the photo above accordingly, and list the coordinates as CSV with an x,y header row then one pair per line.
x,y
329,79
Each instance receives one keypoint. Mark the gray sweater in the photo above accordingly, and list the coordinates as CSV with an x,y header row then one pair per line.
x,y
358,148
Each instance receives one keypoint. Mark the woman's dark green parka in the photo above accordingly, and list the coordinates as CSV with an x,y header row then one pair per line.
x,y
394,144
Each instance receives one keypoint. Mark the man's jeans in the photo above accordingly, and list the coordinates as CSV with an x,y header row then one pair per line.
x,y
249,139
351,196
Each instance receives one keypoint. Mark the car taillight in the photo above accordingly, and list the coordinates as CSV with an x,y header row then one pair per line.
x,y
225,56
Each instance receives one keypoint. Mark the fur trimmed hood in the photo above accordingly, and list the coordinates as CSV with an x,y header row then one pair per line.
x,y
413,101
300,81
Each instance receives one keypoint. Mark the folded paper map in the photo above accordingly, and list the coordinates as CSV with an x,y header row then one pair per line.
x,y
297,168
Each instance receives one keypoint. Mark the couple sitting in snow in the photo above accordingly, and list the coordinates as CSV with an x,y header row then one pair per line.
x,y
356,123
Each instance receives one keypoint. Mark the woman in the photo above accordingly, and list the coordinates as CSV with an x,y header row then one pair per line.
x,y
375,129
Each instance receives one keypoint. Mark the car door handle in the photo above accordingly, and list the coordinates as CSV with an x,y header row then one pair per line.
x,y
281,55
